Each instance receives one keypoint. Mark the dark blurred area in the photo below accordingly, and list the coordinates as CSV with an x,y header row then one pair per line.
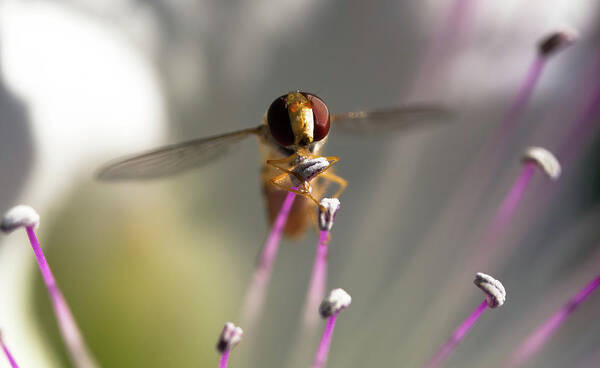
x,y
16,150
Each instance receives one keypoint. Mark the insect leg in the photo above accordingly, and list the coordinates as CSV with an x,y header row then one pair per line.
x,y
305,193
331,176
336,179
276,164
287,160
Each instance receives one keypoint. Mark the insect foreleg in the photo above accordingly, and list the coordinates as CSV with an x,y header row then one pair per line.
x,y
276,164
343,183
304,192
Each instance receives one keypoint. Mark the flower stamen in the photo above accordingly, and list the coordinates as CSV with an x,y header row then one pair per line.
x,y
11,359
331,306
262,274
495,297
230,336
25,216
543,333
318,280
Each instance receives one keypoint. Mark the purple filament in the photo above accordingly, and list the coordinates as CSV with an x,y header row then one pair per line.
x,y
512,199
66,323
458,14
546,330
318,280
494,149
478,174
443,46
523,95
457,336
262,274
503,215
224,359
323,350
272,244
509,121
9,356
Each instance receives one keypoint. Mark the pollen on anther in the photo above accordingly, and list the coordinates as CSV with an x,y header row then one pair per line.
x,y
230,336
337,300
496,294
308,169
557,41
327,212
545,160
19,216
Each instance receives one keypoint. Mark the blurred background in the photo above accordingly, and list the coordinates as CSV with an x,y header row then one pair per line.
x,y
152,270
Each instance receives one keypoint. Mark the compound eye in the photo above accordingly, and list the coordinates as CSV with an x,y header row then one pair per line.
x,y
320,117
278,119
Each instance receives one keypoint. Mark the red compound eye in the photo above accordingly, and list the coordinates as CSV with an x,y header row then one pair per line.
x,y
278,119
320,116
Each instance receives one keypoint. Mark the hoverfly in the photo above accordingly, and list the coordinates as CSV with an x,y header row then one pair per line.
x,y
294,129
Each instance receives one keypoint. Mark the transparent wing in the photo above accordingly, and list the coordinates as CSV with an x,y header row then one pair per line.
x,y
401,118
172,159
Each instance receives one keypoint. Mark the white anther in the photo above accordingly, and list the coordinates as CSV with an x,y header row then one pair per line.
x,y
308,169
544,159
327,211
496,294
557,41
19,216
337,300
230,337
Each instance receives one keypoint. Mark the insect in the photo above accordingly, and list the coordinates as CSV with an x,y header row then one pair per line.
x,y
294,130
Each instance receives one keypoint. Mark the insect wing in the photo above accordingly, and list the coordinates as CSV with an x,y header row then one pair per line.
x,y
402,118
172,159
